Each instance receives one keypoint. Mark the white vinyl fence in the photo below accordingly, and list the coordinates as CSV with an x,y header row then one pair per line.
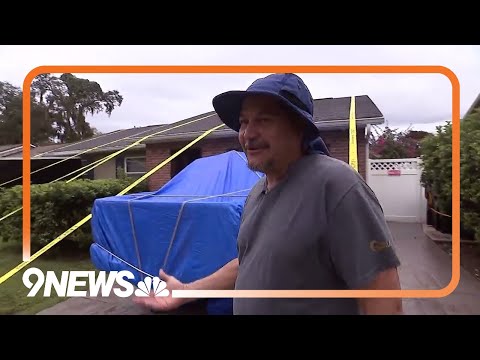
x,y
396,182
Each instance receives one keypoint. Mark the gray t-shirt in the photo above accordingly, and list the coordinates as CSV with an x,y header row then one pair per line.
x,y
320,228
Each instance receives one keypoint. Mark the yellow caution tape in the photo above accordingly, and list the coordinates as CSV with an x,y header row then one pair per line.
x,y
44,249
99,162
70,157
353,155
111,156
88,217
10,213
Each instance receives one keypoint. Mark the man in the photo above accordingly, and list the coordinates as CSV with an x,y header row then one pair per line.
x,y
311,223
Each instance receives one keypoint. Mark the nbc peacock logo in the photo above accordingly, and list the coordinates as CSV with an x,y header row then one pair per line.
x,y
154,284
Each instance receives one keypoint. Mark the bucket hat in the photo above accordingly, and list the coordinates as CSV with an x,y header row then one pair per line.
x,y
288,88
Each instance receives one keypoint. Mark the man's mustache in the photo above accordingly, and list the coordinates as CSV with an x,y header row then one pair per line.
x,y
252,145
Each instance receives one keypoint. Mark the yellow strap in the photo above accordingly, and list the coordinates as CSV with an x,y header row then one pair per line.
x,y
10,213
99,162
353,156
88,217
71,157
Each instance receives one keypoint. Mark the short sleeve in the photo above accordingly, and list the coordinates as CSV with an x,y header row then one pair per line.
x,y
361,244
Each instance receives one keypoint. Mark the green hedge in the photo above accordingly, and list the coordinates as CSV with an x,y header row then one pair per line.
x,y
436,154
470,173
55,207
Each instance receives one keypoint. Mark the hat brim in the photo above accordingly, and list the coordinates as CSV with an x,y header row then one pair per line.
x,y
228,105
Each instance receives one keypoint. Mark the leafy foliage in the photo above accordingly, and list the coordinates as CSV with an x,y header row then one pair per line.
x,y
470,173
55,207
436,155
394,144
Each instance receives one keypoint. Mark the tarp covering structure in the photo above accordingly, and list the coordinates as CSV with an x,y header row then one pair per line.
x,y
188,227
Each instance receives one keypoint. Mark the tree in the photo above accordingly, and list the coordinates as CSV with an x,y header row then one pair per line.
x,y
68,99
11,120
59,106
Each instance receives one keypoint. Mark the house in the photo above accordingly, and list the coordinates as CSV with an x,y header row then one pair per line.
x,y
64,161
475,106
150,145
11,164
331,116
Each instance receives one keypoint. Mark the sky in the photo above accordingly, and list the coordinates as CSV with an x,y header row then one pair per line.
x,y
416,101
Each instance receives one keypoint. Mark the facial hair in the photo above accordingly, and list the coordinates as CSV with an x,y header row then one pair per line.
x,y
263,166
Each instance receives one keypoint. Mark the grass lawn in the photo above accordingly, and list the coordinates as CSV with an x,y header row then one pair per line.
x,y
13,294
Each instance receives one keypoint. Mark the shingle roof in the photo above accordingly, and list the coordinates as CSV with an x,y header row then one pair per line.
x,y
328,113
4,148
475,105
112,141
329,109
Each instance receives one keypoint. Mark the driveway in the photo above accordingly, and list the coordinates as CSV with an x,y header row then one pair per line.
x,y
424,266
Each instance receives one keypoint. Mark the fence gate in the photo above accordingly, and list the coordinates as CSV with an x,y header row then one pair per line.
x,y
396,182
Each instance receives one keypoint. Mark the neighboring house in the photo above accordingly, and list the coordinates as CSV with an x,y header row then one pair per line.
x,y
475,106
70,157
331,117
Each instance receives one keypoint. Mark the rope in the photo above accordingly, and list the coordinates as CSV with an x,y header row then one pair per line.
x,y
173,234
88,217
179,216
132,223
439,213
124,261
77,154
111,156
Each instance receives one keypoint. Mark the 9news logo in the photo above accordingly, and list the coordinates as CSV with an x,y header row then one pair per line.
x,y
101,285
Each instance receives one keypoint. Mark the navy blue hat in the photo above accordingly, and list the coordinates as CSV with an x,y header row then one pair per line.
x,y
288,88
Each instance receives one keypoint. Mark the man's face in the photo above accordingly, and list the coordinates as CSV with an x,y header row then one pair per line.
x,y
267,135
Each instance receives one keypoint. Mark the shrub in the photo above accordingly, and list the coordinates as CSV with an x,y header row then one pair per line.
x,y
436,154
470,174
55,207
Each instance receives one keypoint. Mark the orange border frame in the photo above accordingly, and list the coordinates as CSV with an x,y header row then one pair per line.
x,y
271,69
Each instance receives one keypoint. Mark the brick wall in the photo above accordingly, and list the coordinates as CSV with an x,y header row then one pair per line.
x,y
337,142
156,153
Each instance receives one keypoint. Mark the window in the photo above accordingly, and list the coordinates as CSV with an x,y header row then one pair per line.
x,y
135,165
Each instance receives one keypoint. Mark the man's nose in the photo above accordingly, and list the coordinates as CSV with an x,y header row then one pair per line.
x,y
250,131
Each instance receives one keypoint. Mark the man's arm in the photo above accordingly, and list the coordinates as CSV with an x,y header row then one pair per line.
x,y
385,280
222,279
361,248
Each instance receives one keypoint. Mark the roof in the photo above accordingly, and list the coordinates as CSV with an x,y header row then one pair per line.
x,y
475,105
109,142
5,148
329,113
12,149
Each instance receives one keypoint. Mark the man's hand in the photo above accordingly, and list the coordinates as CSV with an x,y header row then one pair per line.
x,y
164,303
222,279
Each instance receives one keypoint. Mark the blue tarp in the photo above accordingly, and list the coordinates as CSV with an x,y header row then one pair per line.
x,y
188,227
